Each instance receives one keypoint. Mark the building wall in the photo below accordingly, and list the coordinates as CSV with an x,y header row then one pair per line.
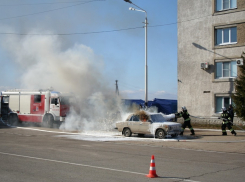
x,y
240,4
197,19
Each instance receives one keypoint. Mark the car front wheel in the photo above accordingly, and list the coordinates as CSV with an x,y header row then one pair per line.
x,y
160,134
127,132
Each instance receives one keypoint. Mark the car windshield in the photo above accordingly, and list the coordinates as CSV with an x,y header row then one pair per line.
x,y
157,118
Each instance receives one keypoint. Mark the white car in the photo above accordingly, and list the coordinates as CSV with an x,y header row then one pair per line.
x,y
156,125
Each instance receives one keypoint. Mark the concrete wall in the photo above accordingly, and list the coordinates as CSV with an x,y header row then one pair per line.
x,y
211,121
197,22
240,4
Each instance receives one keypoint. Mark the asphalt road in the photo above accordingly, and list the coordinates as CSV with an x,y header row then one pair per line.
x,y
39,154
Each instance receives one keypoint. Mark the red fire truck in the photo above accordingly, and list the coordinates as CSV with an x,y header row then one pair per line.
x,y
42,106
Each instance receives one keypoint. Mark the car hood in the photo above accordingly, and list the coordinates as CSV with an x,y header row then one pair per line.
x,y
166,123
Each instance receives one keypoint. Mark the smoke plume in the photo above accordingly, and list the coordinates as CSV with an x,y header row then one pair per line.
x,y
43,62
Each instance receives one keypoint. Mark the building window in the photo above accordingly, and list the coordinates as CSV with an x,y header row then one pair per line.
x,y
226,36
222,102
226,69
225,4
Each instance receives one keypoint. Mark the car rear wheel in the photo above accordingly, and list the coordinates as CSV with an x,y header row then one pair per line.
x,y
127,132
160,134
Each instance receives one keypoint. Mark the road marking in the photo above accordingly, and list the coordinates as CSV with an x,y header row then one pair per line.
x,y
59,132
84,165
70,163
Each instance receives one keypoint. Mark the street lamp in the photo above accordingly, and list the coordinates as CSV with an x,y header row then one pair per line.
x,y
146,68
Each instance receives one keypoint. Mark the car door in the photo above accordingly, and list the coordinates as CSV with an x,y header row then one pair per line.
x,y
134,123
144,127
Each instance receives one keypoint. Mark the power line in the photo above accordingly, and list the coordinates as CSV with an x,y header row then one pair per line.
x,y
104,31
125,86
128,87
85,2
135,88
178,22
33,4
97,32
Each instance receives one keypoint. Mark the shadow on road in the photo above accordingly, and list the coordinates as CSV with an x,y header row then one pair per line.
x,y
184,137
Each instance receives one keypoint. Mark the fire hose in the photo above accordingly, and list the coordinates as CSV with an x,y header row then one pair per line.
x,y
220,119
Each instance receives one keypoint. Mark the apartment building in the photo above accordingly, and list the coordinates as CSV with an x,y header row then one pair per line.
x,y
211,39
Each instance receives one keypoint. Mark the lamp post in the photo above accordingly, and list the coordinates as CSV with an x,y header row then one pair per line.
x,y
146,67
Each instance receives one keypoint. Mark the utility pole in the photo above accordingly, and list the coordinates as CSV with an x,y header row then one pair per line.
x,y
146,67
117,91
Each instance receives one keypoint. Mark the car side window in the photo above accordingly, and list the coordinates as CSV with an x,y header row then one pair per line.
x,y
134,118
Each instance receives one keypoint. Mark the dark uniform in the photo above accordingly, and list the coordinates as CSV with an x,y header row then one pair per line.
x,y
226,122
187,121
231,112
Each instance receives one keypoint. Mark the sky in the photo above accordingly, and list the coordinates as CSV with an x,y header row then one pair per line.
x,y
86,45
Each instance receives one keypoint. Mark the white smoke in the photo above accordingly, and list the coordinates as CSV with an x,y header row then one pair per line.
x,y
98,112
44,63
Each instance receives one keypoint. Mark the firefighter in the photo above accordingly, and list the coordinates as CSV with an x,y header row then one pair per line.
x,y
231,112
187,120
226,122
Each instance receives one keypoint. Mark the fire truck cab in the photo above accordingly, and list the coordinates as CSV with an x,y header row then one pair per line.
x,y
43,106
4,107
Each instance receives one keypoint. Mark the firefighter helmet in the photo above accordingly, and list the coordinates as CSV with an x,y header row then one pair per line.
x,y
184,108
223,109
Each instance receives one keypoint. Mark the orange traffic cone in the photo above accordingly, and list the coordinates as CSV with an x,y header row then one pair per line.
x,y
152,171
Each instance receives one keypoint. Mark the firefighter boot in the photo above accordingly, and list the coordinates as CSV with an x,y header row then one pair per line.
x,y
224,133
234,133
192,132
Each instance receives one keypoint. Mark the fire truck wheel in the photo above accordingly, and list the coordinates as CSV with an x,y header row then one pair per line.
x,y
13,120
48,121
